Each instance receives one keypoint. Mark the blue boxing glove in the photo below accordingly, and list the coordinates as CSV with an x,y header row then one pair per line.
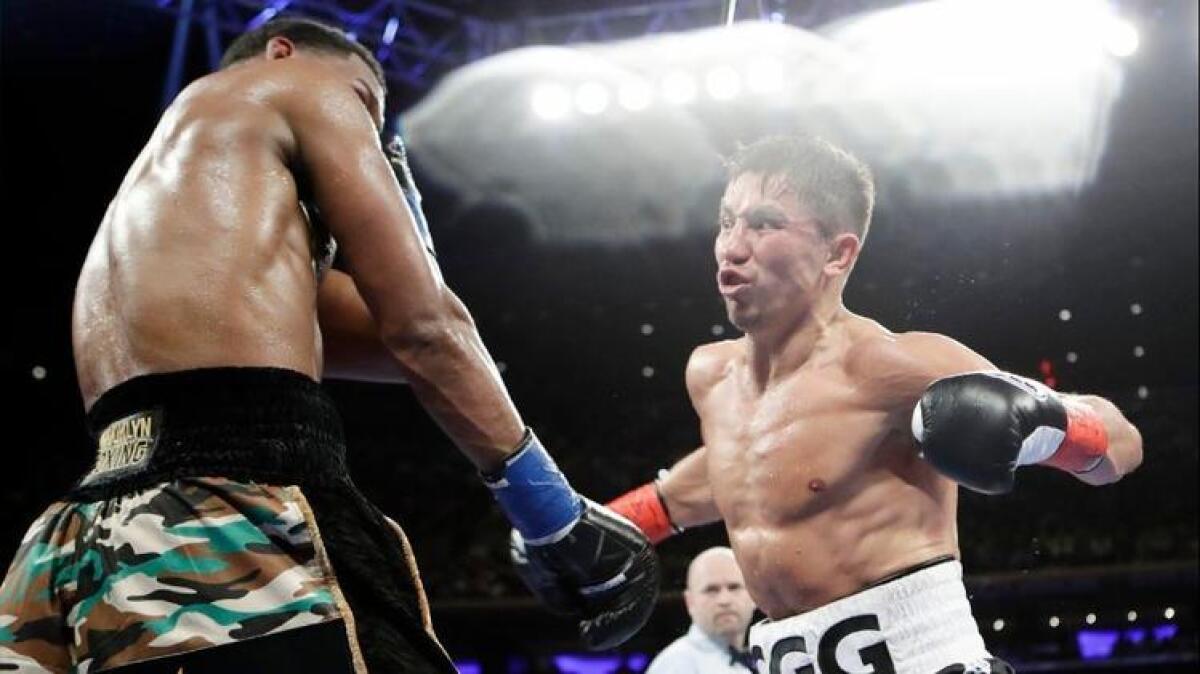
x,y
398,157
580,558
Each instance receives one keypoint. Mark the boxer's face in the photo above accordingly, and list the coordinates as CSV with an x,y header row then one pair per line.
x,y
770,252
364,83
716,597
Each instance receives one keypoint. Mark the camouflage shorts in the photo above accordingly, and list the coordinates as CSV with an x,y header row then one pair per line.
x,y
175,567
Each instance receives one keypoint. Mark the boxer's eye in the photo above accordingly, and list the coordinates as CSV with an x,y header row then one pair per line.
x,y
764,222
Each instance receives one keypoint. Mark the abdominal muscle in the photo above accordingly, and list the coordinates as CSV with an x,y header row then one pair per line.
x,y
820,498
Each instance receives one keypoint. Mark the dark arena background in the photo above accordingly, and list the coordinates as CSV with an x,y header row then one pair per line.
x,y
1038,202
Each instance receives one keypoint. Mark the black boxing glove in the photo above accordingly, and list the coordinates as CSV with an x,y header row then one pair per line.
x,y
578,557
977,428
602,571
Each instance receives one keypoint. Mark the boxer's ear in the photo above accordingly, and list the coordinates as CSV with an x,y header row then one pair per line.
x,y
844,248
279,47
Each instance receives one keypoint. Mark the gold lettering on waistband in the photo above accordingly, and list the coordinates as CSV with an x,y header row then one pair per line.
x,y
126,443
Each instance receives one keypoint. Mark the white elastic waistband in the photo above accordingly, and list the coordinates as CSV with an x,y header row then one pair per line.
x,y
916,624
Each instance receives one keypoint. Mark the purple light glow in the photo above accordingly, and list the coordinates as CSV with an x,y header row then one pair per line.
x,y
587,664
468,667
1135,636
1164,632
637,661
1096,644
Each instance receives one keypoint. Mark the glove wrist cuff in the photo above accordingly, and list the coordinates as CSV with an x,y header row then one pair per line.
x,y
1085,444
534,493
646,508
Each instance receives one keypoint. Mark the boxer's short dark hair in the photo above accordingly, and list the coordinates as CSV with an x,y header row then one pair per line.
x,y
834,184
305,33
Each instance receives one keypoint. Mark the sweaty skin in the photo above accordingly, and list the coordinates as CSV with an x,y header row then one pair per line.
x,y
205,257
808,457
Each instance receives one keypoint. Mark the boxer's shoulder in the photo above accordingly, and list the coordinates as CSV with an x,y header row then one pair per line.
x,y
708,364
895,368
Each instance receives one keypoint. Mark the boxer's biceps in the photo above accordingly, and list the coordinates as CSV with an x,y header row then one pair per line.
x,y
687,491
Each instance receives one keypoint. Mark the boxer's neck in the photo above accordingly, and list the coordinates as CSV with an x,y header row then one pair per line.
x,y
775,352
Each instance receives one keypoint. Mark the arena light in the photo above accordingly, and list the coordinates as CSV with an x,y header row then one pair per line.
x,y
1135,309
390,30
635,95
679,88
723,83
39,372
551,101
1169,613
591,98
764,75
1119,37
1139,351
647,329
1090,619
1054,621
998,625
961,74
1131,616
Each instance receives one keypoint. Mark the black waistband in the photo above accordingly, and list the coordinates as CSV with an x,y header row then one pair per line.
x,y
908,571
254,424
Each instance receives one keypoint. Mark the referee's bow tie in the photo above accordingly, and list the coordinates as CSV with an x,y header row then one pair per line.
x,y
742,658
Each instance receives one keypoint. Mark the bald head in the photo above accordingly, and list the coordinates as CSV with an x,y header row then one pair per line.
x,y
712,559
716,596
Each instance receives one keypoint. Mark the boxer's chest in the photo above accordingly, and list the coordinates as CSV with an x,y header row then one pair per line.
x,y
776,453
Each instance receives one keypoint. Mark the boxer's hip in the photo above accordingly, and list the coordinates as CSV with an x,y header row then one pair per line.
x,y
917,622
219,510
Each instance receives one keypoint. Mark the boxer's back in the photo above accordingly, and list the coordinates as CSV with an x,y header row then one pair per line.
x,y
204,257
816,478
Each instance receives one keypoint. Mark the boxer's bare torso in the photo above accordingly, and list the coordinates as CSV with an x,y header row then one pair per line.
x,y
815,473
808,457
205,256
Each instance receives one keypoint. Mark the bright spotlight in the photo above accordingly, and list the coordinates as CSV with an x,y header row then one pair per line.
x,y
591,98
551,102
679,88
723,83
764,76
1119,37
634,95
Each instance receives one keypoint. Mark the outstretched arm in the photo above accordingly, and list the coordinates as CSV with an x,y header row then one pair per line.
x,y
687,491
976,424
682,496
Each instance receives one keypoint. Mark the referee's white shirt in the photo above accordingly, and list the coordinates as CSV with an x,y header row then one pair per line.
x,y
696,653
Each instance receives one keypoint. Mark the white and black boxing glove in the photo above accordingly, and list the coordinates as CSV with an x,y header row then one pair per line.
x,y
977,428
580,558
